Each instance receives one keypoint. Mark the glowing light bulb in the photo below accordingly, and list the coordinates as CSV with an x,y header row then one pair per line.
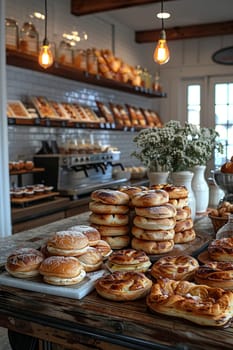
x,y
161,53
45,56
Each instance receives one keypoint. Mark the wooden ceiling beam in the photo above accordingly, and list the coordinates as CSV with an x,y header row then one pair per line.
x,y
82,7
186,32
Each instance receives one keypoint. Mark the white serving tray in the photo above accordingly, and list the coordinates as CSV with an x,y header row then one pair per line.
x,y
75,291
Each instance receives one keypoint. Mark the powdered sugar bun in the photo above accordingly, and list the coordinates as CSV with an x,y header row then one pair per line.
x,y
91,260
24,262
67,243
152,235
62,270
90,232
103,248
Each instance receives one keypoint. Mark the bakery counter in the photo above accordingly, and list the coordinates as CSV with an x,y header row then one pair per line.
x,y
93,322
41,213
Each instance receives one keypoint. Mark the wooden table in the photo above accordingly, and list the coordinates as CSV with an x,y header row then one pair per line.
x,y
95,323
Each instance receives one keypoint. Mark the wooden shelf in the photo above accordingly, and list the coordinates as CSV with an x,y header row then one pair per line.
x,y
19,59
24,171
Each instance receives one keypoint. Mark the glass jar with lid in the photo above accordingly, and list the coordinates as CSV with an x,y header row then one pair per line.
x,y
29,39
92,63
80,59
65,53
12,33
226,231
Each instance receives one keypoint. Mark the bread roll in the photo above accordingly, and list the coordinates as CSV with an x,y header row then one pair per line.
x,y
152,247
112,230
67,243
123,286
221,249
200,304
112,197
62,270
150,198
180,267
154,224
128,260
184,236
24,262
152,235
217,274
101,208
109,219
90,232
166,210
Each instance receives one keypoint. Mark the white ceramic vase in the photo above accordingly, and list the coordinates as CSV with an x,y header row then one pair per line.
x,y
184,178
200,188
155,178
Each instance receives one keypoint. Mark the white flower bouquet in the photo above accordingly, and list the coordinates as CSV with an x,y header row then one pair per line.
x,y
174,147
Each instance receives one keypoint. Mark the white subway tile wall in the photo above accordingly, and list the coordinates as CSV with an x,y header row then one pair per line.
x,y
22,83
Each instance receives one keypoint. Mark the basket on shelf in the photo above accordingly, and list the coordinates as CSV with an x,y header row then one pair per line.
x,y
218,221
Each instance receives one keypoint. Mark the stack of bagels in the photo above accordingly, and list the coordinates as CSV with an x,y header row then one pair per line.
x,y
154,222
110,216
178,197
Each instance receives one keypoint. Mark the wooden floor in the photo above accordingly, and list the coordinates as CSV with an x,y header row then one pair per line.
x,y
4,343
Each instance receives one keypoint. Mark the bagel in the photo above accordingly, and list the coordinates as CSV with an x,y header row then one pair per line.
x,y
123,286
149,198
183,213
117,242
180,267
109,219
184,236
174,192
152,247
179,203
221,249
217,274
166,210
101,208
108,196
154,224
152,235
131,190
183,225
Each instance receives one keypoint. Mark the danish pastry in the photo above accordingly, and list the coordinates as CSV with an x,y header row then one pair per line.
x,y
180,267
128,260
217,274
221,249
201,304
123,286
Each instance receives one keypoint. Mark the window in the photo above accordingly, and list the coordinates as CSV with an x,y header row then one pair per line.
x,y
194,103
223,112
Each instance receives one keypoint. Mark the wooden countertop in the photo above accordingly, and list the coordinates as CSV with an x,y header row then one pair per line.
x,y
94,322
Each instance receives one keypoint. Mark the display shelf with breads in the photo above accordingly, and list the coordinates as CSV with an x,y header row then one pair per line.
x,y
23,60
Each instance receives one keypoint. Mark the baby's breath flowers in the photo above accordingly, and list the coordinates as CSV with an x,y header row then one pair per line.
x,y
175,147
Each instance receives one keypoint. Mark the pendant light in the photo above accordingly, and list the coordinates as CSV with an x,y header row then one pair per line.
x,y
161,52
45,56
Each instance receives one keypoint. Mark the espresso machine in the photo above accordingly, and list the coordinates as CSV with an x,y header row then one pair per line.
x,y
74,175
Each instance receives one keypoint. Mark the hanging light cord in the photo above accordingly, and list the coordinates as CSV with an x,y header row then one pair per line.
x,y
45,24
162,15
